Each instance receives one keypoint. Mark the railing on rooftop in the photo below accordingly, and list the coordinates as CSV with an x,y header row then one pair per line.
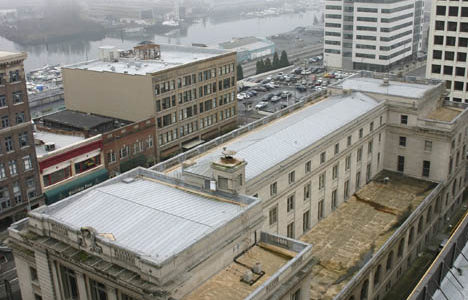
x,y
283,274
394,239
396,77
162,166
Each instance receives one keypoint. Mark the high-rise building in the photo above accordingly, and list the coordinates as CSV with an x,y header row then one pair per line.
x,y
372,35
448,47
19,186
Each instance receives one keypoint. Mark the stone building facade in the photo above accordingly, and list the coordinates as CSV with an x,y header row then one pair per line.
x,y
19,184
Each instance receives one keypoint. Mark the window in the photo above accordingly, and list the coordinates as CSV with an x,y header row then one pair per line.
x,y
426,168
33,273
17,97
436,69
69,283
460,72
5,122
290,203
88,164
402,141
2,171
437,54
401,247
12,167
320,210
401,164
440,10
361,133
461,56
223,182
359,155
450,41
149,141
27,163
458,85
57,176
371,126
308,166
290,230
307,191
111,157
337,148
23,139
348,162
438,40
8,144
98,290
335,172
3,100
124,152
17,193
292,177
31,187
349,140
427,146
334,199
273,188
404,119
273,215
322,157
306,221
346,190
453,11
296,295
358,180
20,117
321,181
370,147
410,236
377,275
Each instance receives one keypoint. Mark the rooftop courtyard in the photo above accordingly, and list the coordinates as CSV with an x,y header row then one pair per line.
x,y
347,238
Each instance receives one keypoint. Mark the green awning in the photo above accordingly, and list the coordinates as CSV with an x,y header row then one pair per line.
x,y
75,186
137,161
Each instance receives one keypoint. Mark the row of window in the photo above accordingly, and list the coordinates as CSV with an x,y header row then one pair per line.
x,y
450,56
125,151
20,118
10,145
188,80
450,41
14,77
453,11
5,199
16,96
65,173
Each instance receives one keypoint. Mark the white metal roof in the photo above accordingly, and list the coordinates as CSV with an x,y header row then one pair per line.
x,y
395,88
148,217
60,141
275,142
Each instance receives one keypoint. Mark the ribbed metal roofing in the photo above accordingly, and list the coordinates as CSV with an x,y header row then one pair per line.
x,y
275,142
145,216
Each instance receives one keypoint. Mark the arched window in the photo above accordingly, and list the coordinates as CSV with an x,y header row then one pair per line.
x,y
389,261
410,236
377,275
401,247
429,214
364,290
420,224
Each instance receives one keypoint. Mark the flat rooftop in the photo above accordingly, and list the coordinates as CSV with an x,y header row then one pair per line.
x,y
246,43
445,114
60,141
171,56
358,228
146,214
394,88
226,284
77,119
276,141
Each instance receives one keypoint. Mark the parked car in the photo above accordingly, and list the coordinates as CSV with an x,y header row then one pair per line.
x,y
261,105
269,96
240,97
253,92
275,99
301,88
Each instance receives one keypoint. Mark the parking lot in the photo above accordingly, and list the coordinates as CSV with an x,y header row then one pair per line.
x,y
265,94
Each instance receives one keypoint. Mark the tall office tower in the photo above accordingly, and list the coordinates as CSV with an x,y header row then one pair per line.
x,y
448,45
372,34
18,172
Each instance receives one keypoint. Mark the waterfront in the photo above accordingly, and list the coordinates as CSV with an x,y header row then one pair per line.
x,y
210,32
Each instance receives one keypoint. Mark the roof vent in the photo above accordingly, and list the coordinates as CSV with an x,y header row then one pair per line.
x,y
128,180
257,268
386,180
247,277
49,147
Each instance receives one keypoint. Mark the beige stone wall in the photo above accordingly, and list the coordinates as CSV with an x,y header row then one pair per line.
x,y
122,96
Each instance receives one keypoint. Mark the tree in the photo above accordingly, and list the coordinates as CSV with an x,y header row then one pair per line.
x,y
240,72
260,66
284,62
268,65
276,61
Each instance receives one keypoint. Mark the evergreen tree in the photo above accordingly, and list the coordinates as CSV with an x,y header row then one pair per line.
x,y
268,65
240,72
276,61
284,62
260,66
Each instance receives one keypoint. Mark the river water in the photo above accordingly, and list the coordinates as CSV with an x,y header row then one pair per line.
x,y
210,32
